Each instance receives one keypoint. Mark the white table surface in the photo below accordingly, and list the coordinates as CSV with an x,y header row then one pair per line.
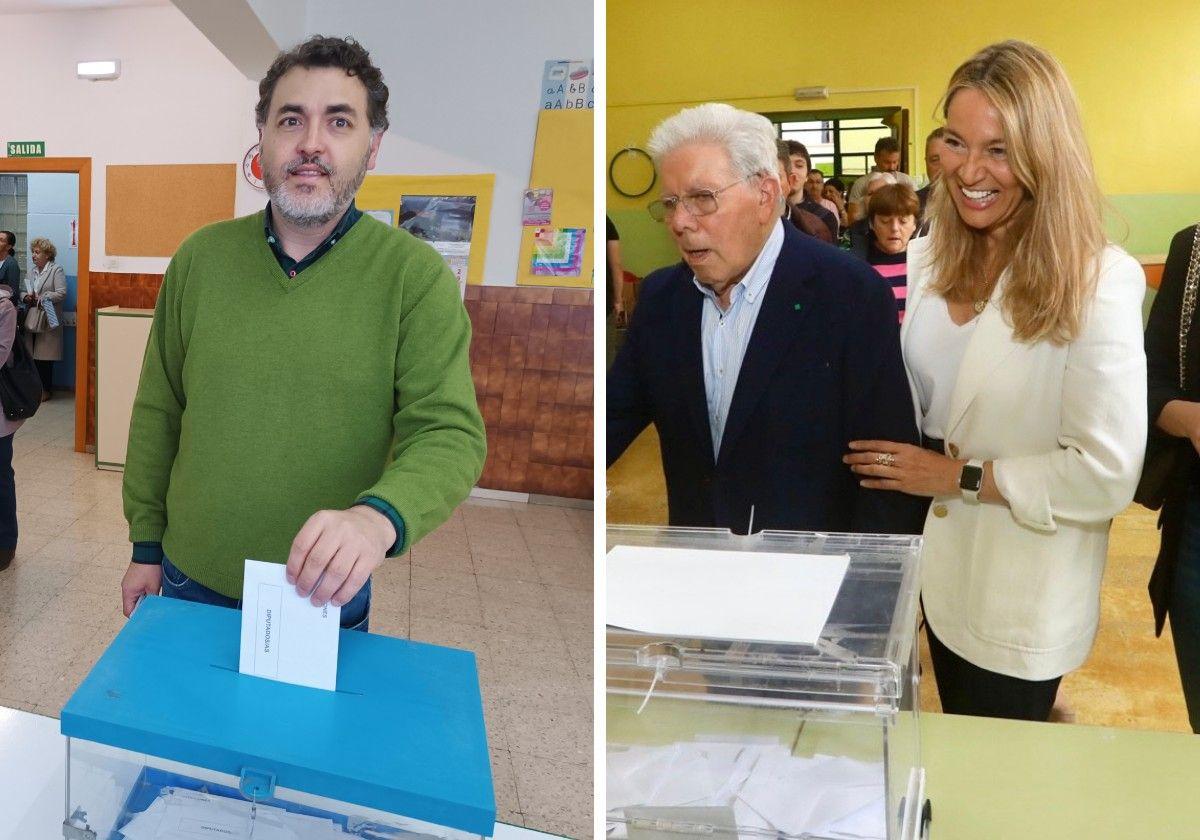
x,y
32,793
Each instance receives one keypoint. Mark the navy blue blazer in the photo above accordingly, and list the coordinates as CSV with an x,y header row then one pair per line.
x,y
822,368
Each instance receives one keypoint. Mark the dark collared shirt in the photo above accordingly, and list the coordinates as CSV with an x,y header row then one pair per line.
x,y
293,267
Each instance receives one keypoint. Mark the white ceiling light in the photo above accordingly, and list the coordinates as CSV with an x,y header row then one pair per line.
x,y
97,70
812,93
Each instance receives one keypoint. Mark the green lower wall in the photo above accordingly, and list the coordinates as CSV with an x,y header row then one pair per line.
x,y
1144,224
1141,224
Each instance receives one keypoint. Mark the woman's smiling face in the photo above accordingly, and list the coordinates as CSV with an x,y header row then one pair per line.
x,y
975,164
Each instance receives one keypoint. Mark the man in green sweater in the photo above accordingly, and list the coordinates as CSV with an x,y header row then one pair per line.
x,y
305,396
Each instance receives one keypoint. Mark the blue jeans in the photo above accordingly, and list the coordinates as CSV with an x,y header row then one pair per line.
x,y
1184,607
8,495
175,584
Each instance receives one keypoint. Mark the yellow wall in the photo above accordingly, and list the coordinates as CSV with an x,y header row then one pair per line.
x,y
1135,68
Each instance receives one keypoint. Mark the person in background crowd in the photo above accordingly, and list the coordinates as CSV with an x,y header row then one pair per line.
x,y
616,300
891,219
10,272
801,166
933,165
860,231
1024,350
1174,411
805,220
835,192
8,485
761,353
814,191
47,282
887,159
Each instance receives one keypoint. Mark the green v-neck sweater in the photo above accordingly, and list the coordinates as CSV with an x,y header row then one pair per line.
x,y
264,398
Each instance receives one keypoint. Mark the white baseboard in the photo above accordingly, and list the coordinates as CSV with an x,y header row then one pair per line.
x,y
501,495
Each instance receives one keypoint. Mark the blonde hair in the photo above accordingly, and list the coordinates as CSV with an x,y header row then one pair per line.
x,y
45,246
1054,241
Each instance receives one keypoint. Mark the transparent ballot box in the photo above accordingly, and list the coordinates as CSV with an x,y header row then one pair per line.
x,y
166,739
814,737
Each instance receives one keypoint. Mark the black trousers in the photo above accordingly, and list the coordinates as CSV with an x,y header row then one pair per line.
x,y
967,689
8,495
45,369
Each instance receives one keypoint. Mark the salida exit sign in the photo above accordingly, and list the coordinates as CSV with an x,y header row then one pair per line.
x,y
27,148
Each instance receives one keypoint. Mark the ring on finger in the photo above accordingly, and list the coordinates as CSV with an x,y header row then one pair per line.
x,y
885,459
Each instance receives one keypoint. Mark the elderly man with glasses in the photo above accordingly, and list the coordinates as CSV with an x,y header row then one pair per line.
x,y
762,354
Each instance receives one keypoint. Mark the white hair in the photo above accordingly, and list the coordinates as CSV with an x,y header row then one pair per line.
x,y
886,177
748,138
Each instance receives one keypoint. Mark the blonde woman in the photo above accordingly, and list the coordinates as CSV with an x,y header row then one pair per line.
x,y
1024,354
47,281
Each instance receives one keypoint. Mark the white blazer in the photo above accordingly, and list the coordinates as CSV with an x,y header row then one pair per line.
x,y
1016,589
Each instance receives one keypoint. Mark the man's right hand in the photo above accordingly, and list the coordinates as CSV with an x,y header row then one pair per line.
x,y
140,579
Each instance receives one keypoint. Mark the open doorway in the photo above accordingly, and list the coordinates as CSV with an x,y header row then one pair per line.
x,y
50,199
842,142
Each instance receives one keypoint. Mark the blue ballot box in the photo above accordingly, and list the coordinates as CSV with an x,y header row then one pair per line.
x,y
165,738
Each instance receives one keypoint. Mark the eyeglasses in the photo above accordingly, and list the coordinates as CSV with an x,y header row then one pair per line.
x,y
698,203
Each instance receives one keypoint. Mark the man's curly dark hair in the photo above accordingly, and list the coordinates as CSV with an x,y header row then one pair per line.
x,y
320,51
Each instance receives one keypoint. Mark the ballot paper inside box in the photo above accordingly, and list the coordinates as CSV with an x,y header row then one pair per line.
x,y
737,736
166,740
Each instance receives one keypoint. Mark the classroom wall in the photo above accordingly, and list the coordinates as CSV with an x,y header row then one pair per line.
x,y
1136,72
465,83
53,206
178,101
464,98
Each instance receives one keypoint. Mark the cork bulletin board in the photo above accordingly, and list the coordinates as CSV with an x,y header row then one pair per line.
x,y
150,210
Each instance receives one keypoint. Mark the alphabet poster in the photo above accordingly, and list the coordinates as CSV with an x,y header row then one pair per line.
x,y
567,85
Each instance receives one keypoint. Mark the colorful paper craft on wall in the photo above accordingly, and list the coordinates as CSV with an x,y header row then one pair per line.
x,y
558,252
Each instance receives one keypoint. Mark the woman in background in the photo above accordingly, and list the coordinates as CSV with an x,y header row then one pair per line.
x,y
1023,344
891,221
46,282
8,486
1172,343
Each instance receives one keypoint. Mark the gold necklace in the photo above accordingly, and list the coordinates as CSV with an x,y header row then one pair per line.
x,y
979,306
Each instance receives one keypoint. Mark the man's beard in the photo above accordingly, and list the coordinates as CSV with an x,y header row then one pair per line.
x,y
316,208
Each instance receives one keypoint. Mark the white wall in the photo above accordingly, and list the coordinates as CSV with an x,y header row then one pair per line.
x,y
178,100
464,78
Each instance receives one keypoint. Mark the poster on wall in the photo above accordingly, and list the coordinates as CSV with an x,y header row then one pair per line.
x,y
537,207
445,222
385,216
567,84
558,252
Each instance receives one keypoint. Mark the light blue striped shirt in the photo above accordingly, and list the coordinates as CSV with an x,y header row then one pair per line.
x,y
725,334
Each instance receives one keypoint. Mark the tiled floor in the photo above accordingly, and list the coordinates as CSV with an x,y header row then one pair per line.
x,y
1130,680
512,582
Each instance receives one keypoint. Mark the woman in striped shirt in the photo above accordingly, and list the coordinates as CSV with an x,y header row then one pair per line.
x,y
892,214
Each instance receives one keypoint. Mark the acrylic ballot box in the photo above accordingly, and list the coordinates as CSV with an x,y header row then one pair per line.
x,y
165,739
734,738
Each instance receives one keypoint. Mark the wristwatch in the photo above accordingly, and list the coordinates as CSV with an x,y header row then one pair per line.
x,y
971,480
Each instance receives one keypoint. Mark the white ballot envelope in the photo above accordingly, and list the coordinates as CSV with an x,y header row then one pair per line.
x,y
284,637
